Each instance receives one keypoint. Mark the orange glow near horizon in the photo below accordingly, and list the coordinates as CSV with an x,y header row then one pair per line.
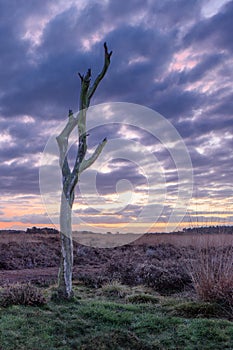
x,y
17,225
21,212
136,228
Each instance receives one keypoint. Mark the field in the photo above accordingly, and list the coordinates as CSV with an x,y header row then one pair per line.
x,y
166,291
35,257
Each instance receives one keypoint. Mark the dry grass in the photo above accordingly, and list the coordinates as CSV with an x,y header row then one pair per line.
x,y
184,240
212,274
155,260
195,239
6,238
114,289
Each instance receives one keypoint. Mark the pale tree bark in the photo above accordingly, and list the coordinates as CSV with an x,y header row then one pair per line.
x,y
70,177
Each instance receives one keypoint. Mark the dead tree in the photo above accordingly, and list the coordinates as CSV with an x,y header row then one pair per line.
x,y
70,177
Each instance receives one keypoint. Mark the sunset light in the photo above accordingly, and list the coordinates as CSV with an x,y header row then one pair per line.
x,y
176,61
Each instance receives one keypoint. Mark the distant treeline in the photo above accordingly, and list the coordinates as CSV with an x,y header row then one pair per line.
x,y
203,230
33,230
189,230
209,229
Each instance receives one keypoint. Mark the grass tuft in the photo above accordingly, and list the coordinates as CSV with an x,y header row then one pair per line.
x,y
142,299
114,289
212,275
117,339
199,309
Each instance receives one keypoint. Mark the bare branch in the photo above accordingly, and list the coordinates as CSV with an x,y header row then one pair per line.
x,y
85,82
107,56
82,149
62,141
86,163
72,122
65,168
81,77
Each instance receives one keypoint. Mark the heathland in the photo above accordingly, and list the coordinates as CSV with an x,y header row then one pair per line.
x,y
163,291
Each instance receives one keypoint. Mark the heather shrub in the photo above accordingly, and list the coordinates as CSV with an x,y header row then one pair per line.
x,y
124,271
21,294
166,278
163,251
92,280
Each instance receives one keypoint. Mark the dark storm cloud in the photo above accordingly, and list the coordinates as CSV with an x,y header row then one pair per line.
x,y
27,139
45,90
181,103
106,183
13,49
207,64
214,32
191,130
127,213
134,7
175,13
16,71
17,178
42,83
134,80
224,107
145,36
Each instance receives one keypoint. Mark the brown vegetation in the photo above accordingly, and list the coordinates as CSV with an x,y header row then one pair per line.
x,y
21,294
193,262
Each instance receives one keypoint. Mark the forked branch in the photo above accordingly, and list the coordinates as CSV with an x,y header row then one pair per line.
x,y
86,91
107,56
86,163
86,94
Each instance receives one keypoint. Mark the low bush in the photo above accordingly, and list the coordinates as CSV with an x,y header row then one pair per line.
x,y
21,294
164,276
92,280
123,270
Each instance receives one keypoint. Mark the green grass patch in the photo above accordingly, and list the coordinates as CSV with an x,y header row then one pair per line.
x,y
199,310
142,299
92,323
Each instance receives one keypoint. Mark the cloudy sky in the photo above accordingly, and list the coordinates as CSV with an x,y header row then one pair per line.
x,y
172,56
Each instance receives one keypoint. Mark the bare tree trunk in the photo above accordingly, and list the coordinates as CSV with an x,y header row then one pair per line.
x,y
70,178
66,262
